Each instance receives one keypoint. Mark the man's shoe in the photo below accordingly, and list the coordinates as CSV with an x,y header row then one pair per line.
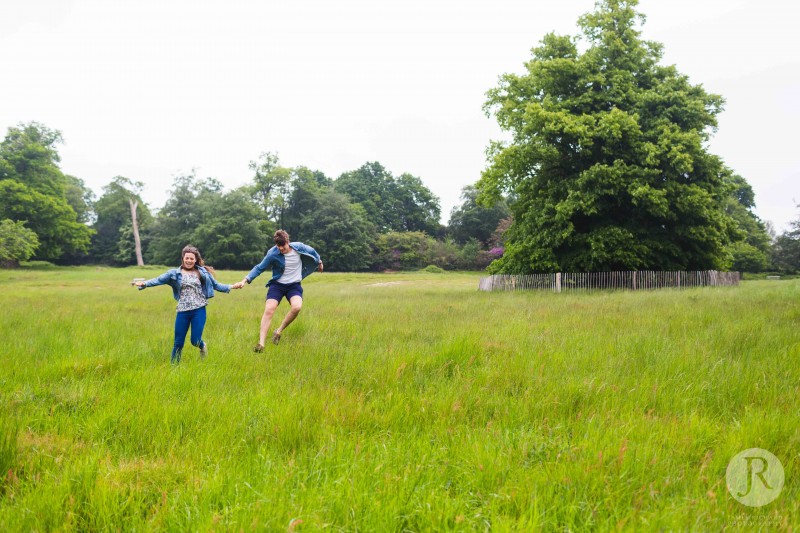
x,y
258,348
276,338
204,350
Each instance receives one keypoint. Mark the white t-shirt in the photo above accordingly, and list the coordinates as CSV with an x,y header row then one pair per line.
x,y
294,268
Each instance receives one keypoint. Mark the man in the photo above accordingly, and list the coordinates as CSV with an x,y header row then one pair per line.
x,y
290,262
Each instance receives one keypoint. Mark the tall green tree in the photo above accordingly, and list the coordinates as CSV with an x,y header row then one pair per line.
x,y
113,242
34,190
608,161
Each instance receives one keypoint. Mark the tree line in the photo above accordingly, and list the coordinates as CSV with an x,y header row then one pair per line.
x,y
607,170
365,219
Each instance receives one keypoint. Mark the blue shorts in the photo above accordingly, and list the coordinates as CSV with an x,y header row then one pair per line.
x,y
277,291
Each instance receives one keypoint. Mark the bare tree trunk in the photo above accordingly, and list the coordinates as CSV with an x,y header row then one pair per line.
x,y
136,240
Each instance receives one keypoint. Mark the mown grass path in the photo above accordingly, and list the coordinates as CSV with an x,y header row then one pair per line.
x,y
394,402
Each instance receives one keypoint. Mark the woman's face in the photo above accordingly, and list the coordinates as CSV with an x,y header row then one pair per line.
x,y
189,260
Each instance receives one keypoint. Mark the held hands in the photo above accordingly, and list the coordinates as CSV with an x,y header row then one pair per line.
x,y
242,283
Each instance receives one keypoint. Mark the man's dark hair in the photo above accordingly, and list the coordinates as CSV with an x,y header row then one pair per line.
x,y
281,237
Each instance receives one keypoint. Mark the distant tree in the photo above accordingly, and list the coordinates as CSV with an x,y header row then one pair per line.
x,y
498,237
418,209
373,188
32,158
81,198
446,254
271,185
786,250
471,220
176,222
746,257
340,231
226,227
17,243
307,188
126,246
33,189
474,256
49,217
402,204
327,220
770,228
608,161
114,239
751,245
229,235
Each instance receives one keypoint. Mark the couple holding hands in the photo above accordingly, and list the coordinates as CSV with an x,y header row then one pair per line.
x,y
193,284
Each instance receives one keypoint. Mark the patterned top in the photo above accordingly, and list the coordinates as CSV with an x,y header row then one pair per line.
x,y
191,293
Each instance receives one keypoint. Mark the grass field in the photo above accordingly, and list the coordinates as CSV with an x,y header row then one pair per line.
x,y
395,402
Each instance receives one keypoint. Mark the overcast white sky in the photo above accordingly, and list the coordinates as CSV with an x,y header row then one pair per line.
x,y
152,89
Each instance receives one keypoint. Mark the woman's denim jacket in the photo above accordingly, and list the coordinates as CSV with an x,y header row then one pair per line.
x,y
173,279
309,258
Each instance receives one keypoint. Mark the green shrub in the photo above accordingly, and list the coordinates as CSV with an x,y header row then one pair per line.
x,y
410,250
37,265
17,243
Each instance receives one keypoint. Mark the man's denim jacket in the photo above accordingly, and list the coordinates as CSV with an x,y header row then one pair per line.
x,y
309,259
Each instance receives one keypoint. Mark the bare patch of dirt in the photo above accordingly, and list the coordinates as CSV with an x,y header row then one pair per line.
x,y
385,284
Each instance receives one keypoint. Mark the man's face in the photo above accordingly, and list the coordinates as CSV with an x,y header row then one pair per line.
x,y
284,249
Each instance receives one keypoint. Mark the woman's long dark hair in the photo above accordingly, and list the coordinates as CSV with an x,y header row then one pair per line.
x,y
189,249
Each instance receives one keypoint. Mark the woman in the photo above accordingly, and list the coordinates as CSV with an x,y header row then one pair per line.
x,y
192,285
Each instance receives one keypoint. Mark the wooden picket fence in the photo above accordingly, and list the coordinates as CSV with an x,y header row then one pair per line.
x,y
590,281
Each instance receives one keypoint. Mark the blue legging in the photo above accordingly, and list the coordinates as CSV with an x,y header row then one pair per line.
x,y
196,318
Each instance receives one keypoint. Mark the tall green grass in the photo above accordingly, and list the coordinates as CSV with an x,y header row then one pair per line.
x,y
394,402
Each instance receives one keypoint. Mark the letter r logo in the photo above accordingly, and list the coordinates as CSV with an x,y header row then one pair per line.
x,y
754,477
759,473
